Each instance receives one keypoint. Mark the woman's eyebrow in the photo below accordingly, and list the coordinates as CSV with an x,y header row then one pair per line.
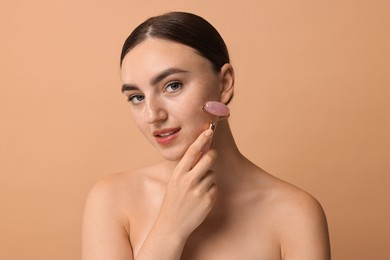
x,y
127,87
156,79
165,73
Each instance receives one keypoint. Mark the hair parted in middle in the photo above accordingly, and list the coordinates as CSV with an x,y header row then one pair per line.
x,y
185,28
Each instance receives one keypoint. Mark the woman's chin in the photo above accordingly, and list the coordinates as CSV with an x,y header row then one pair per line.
x,y
172,154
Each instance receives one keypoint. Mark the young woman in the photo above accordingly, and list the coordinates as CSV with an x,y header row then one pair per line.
x,y
198,203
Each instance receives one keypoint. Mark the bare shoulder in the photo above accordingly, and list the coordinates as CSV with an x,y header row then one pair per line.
x,y
105,228
291,200
108,197
114,187
300,221
119,189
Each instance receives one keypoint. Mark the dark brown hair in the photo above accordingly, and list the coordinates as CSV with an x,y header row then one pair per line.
x,y
186,28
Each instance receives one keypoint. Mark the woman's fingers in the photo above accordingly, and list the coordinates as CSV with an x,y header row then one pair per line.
x,y
207,189
191,191
193,153
207,182
199,171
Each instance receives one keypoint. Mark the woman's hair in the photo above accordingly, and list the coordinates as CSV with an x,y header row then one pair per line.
x,y
186,28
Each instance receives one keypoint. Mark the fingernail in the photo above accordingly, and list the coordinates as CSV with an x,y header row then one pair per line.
x,y
209,132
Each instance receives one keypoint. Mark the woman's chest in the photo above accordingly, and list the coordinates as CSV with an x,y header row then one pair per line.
x,y
236,236
230,234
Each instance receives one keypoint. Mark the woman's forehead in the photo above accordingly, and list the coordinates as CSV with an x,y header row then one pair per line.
x,y
160,48
155,55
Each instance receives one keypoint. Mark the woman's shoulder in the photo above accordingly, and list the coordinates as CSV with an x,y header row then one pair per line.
x,y
285,199
123,183
110,192
292,200
282,202
109,206
119,194
267,189
298,217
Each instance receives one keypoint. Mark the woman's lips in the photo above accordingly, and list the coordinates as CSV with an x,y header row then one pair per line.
x,y
167,135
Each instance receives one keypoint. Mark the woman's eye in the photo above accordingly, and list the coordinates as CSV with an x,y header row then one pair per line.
x,y
173,87
136,99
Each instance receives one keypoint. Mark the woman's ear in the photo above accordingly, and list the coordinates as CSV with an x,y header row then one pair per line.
x,y
226,83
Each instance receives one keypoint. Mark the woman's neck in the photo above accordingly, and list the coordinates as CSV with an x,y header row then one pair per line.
x,y
230,165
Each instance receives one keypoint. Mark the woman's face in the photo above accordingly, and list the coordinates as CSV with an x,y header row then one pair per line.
x,y
167,84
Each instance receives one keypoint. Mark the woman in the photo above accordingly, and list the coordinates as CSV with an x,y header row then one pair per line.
x,y
198,203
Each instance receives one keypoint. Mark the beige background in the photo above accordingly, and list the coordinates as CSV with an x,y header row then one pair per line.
x,y
311,106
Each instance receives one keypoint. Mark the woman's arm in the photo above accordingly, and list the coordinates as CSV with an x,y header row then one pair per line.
x,y
104,235
189,197
305,232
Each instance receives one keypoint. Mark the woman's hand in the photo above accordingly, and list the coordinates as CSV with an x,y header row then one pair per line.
x,y
191,191
189,197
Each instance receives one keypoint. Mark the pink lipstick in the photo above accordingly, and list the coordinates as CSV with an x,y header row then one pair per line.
x,y
167,135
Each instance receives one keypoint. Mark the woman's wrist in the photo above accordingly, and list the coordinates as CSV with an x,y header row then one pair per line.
x,y
171,232
162,242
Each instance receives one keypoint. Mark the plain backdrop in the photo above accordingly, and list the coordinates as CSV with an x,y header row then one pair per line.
x,y
312,107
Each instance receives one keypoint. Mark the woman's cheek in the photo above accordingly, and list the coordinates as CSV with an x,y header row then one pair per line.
x,y
139,122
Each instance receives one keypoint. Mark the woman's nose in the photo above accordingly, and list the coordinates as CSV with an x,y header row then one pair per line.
x,y
154,112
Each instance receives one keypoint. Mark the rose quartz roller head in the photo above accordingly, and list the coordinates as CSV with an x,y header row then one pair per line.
x,y
215,111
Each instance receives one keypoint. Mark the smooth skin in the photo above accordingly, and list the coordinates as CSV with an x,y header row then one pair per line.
x,y
194,204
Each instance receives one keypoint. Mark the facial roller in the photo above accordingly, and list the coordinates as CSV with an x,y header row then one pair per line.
x,y
216,111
